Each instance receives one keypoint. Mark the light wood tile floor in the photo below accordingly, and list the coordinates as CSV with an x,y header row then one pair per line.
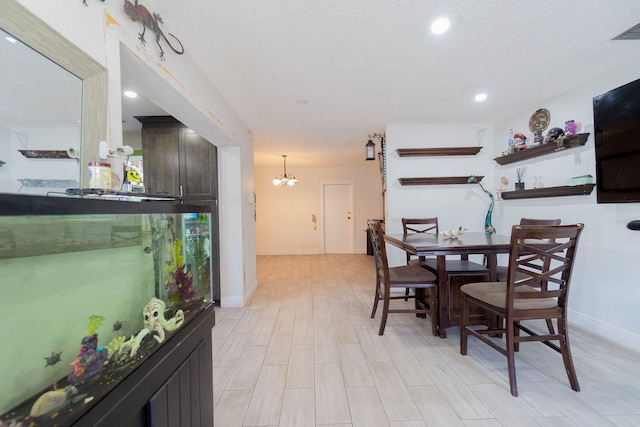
x,y
305,352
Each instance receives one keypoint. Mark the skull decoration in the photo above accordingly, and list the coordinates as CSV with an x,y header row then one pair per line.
x,y
553,134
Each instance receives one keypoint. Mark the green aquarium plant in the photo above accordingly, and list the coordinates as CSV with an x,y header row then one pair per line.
x,y
180,282
94,323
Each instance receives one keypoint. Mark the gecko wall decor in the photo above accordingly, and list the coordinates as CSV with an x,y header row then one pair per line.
x,y
152,21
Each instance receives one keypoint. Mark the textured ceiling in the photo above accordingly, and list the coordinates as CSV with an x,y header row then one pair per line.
x,y
363,64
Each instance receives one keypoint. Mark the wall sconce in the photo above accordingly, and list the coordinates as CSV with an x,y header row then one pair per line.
x,y
105,151
370,150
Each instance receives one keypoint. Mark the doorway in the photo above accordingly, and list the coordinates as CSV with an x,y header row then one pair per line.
x,y
338,218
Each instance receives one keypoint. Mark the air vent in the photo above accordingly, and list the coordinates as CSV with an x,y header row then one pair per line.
x,y
632,33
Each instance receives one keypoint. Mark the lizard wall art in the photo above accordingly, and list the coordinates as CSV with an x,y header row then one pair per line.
x,y
139,13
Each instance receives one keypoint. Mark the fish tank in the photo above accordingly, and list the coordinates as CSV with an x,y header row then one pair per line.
x,y
91,290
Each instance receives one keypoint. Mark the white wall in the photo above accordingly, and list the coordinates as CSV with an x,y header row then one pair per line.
x,y
455,205
604,294
180,88
284,214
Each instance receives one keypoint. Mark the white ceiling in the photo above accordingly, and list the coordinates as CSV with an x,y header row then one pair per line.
x,y
363,64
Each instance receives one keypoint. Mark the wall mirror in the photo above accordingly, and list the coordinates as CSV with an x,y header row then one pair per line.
x,y
53,106
40,122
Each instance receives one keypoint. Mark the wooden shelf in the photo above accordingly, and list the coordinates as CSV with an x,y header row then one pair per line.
x,y
440,151
440,180
573,141
45,154
565,190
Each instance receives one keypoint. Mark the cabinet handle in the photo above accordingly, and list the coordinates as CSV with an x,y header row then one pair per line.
x,y
181,190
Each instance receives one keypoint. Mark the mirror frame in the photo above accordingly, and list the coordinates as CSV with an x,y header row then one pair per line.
x,y
18,21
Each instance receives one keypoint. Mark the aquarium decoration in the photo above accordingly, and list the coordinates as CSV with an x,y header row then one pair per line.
x,y
52,401
180,282
154,321
53,359
91,358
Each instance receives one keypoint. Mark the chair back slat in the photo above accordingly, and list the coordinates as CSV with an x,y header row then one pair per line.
x,y
379,252
541,254
420,225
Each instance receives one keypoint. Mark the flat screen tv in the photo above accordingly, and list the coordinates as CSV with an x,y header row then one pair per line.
x,y
616,120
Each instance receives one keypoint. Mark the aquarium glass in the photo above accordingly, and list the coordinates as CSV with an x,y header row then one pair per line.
x,y
74,293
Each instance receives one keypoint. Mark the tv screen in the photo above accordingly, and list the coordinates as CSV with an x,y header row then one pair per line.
x,y
616,120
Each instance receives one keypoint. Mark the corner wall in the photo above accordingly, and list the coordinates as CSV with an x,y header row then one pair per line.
x,y
604,292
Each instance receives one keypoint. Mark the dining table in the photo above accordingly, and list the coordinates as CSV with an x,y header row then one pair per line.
x,y
441,246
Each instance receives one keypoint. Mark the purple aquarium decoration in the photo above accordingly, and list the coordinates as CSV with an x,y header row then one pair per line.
x,y
90,361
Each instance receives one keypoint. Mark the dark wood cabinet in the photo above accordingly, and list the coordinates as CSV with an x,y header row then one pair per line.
x,y
177,161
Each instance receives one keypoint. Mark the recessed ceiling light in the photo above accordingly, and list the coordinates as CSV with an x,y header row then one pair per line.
x,y
440,26
481,97
130,94
11,40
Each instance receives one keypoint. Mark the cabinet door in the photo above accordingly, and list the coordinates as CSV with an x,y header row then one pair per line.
x,y
197,166
161,160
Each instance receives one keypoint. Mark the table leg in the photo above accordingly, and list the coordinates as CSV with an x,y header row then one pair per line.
x,y
443,293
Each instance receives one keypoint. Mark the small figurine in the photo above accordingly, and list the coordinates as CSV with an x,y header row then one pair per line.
x,y
117,325
570,128
520,141
454,233
503,183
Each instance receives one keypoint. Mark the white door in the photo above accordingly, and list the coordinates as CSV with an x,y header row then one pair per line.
x,y
338,218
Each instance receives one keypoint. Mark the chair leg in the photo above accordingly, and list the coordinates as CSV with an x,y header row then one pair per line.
x,y
566,355
550,327
433,311
464,320
375,301
511,358
406,294
385,312
375,305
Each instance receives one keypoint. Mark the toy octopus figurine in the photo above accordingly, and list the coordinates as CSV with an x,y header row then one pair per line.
x,y
154,321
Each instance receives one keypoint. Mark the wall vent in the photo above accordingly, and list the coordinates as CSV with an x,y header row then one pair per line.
x,y
632,33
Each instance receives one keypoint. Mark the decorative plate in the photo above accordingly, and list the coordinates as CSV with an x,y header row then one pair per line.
x,y
540,120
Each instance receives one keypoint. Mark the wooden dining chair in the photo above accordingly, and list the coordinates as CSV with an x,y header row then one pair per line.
x,y
543,255
402,277
501,270
418,225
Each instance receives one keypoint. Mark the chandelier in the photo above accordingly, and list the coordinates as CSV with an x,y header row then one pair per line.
x,y
283,178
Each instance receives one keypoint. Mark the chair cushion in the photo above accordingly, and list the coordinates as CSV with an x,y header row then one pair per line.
x,y
494,293
411,274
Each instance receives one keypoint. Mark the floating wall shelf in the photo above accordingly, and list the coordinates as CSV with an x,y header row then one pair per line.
x,y
2,163
441,151
573,141
441,180
45,154
565,190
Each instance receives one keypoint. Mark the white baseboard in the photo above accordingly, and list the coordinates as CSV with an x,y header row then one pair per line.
x,y
609,332
239,302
